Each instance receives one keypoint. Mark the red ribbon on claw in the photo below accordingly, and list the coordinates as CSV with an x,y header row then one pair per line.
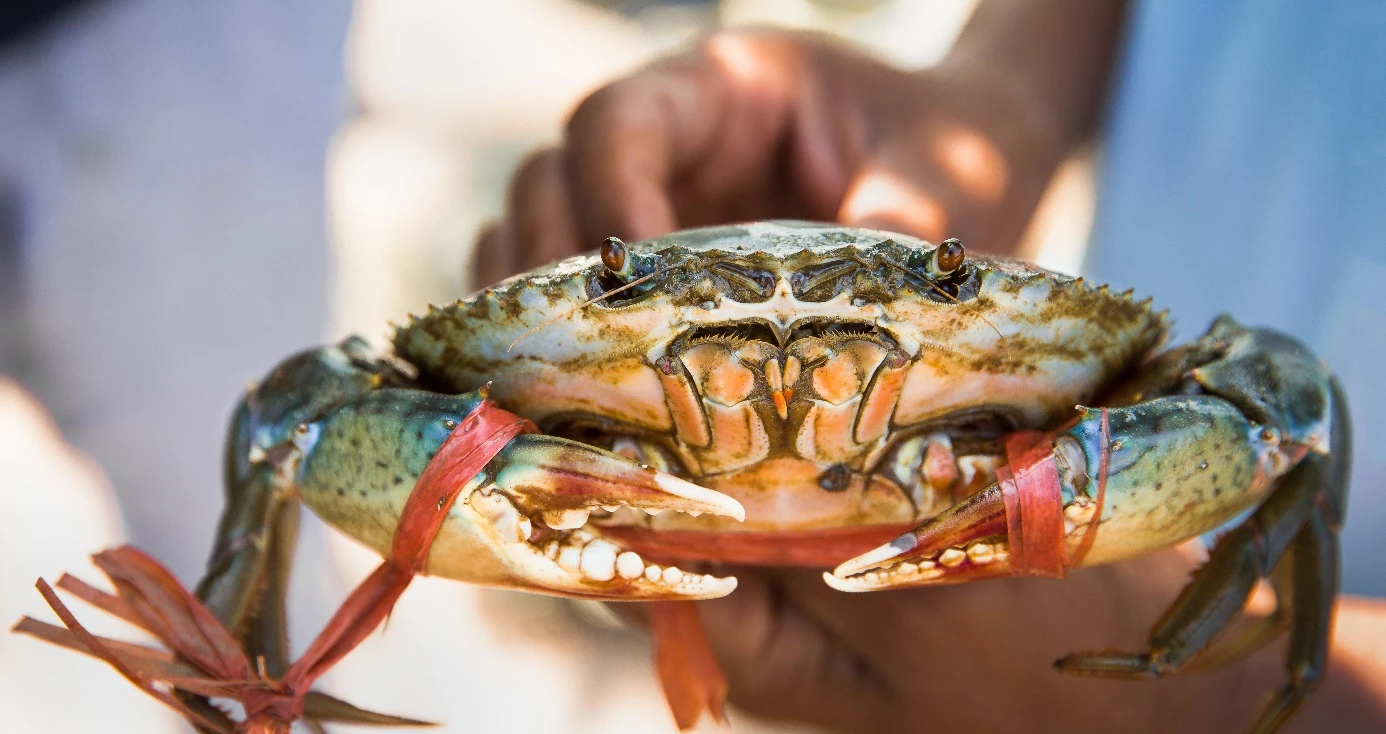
x,y
209,660
1034,506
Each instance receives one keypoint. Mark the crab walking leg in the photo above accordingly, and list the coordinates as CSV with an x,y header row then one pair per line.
x,y
511,519
1311,619
247,576
259,463
1255,631
1221,586
269,628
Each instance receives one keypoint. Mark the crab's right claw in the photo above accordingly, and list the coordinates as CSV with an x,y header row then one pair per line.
x,y
521,522
536,505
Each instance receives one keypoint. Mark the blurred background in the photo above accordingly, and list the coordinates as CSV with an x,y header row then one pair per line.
x,y
190,192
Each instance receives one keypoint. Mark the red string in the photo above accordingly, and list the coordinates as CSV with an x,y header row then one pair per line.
x,y
476,440
1034,504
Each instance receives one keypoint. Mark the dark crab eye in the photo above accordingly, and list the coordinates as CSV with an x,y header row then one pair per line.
x,y
617,259
949,256
939,263
622,270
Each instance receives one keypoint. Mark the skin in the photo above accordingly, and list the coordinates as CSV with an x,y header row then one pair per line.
x,y
768,124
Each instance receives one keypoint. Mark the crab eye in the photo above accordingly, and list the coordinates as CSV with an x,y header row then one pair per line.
x,y
949,256
622,270
616,258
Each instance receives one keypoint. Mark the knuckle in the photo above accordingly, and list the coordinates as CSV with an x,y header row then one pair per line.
x,y
532,170
603,107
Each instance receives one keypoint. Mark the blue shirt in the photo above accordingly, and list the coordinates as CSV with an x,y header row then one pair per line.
x,y
1244,171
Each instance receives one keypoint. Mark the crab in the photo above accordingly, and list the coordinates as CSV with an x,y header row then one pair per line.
x,y
790,393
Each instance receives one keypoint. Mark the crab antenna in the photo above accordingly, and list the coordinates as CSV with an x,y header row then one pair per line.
x,y
1004,344
585,304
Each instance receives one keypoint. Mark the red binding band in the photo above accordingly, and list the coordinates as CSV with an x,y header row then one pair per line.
x,y
476,440
210,660
1034,504
1034,508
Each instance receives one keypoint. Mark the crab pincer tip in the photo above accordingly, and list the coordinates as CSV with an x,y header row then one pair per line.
x,y
877,557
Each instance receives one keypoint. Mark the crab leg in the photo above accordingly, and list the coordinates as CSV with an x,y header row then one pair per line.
x,y
259,463
1221,586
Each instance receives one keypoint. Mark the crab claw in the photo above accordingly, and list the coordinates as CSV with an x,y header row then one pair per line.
x,y
521,522
1108,469
966,542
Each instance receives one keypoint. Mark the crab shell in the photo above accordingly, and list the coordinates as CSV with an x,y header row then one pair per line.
x,y
801,368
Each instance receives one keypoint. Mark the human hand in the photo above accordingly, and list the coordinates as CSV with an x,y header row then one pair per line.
x,y
970,658
761,125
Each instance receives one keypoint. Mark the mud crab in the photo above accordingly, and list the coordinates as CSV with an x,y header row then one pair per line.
x,y
793,393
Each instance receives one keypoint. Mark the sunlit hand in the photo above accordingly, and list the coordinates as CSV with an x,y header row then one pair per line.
x,y
774,125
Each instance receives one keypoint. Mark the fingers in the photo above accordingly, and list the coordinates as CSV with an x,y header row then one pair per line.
x,y
947,180
495,257
539,227
627,141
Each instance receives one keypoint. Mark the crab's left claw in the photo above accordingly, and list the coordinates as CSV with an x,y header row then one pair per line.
x,y
1097,491
519,523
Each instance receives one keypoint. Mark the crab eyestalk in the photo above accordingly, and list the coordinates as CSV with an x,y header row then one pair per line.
x,y
939,263
521,523
626,268
617,260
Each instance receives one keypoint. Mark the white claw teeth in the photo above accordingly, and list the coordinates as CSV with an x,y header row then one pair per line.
x,y
652,510
907,568
611,508
951,557
570,557
565,519
551,550
695,513
980,552
653,573
509,523
598,560
626,516
629,565
1080,513
672,576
